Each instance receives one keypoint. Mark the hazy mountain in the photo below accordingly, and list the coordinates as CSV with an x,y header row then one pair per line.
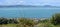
x,y
27,6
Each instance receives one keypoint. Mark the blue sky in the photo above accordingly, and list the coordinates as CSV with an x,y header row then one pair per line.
x,y
30,2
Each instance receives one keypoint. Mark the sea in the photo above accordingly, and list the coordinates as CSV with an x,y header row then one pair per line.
x,y
29,12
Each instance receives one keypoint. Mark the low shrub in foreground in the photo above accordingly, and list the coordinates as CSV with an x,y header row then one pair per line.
x,y
56,19
8,21
26,22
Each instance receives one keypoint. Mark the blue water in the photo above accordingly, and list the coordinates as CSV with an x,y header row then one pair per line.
x,y
32,12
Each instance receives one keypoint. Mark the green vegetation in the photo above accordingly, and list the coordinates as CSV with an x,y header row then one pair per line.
x,y
27,22
56,19
8,21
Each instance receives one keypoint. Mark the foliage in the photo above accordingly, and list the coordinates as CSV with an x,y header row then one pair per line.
x,y
8,21
45,25
43,21
26,22
56,19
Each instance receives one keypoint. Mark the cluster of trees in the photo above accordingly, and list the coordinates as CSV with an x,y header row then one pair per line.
x,y
8,21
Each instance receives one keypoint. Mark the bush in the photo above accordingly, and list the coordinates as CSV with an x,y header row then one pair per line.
x,y
8,21
25,22
12,21
56,19
3,20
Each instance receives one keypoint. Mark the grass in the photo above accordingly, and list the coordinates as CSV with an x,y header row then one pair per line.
x,y
8,25
47,24
38,25
44,23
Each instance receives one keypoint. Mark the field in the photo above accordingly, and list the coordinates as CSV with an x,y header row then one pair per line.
x,y
38,25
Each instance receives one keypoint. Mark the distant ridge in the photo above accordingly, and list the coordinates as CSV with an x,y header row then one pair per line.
x,y
26,6
18,6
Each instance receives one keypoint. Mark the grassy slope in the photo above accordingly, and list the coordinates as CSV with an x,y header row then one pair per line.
x,y
8,25
38,25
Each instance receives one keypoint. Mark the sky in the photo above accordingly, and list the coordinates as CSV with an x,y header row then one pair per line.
x,y
30,2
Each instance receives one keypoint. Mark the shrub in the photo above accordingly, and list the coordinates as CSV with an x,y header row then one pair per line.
x,y
26,22
3,20
56,19
8,21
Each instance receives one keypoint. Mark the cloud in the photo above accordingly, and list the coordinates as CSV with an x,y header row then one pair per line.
x,y
11,2
29,2
20,2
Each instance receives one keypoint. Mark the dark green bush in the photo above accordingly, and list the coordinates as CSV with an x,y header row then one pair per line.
x,y
8,21
3,20
56,19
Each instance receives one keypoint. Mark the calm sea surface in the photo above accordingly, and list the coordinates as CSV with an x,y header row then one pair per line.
x,y
32,12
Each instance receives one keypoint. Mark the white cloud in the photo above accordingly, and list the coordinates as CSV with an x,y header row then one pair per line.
x,y
12,2
20,2
29,2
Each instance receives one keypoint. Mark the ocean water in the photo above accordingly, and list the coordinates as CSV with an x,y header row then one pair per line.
x,y
29,12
